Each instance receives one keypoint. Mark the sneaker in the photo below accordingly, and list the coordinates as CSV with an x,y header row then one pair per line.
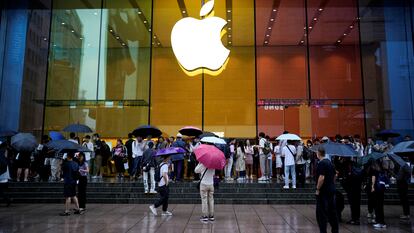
x,y
94,177
204,219
262,178
211,218
285,187
153,210
380,226
153,192
240,179
146,191
80,212
294,186
65,213
166,213
405,217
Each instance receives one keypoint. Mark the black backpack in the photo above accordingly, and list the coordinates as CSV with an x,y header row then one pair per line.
x,y
306,153
157,174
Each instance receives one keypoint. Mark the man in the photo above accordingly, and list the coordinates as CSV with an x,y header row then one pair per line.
x,y
88,144
72,138
128,145
403,179
178,159
98,147
289,152
163,189
148,167
4,173
138,147
264,147
70,176
325,193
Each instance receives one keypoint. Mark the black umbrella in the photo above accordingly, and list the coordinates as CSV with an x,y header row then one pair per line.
x,y
208,134
24,142
78,128
191,131
64,146
147,130
336,149
388,134
7,132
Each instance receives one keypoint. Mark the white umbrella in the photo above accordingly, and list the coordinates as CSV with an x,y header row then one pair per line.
x,y
289,136
213,140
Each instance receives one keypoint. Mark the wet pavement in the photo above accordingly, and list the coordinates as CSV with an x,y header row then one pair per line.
x,y
137,218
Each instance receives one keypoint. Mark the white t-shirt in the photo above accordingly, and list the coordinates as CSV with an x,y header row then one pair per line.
x,y
163,169
88,155
138,148
289,158
262,142
208,178
73,140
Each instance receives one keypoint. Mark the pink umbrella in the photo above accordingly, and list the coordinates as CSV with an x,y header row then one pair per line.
x,y
210,156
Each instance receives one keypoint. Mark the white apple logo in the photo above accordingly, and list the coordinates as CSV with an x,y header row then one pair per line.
x,y
197,43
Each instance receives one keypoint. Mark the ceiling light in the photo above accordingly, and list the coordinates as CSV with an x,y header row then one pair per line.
x,y
95,13
110,30
228,11
63,23
183,12
139,12
80,38
339,41
229,20
270,28
117,37
345,34
145,21
155,37
302,41
267,35
229,29
274,10
315,19
229,42
272,19
44,38
158,43
320,9
351,26
73,31
229,35
310,27
123,44
149,29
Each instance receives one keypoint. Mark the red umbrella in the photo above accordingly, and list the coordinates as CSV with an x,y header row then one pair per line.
x,y
210,156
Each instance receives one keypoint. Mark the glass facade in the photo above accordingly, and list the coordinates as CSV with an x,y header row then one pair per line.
x,y
313,67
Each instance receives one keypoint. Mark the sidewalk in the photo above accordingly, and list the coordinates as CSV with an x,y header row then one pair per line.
x,y
136,218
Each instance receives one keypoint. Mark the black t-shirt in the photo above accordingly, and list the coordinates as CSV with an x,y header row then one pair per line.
x,y
326,168
69,169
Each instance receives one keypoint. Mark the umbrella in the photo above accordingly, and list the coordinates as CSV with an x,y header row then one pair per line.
x,y
63,146
336,149
170,151
374,155
56,136
7,133
77,128
403,148
397,159
191,131
289,136
213,140
388,134
24,142
207,134
147,130
210,156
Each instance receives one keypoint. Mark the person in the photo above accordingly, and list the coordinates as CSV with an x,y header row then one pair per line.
x,y
289,152
378,192
138,147
352,184
161,144
229,161
178,159
403,180
279,164
83,180
119,154
192,161
88,144
70,171
240,161
206,192
4,174
309,160
369,147
72,138
98,149
42,155
407,138
23,164
264,147
106,158
163,189
249,159
300,163
325,193
128,145
367,188
148,167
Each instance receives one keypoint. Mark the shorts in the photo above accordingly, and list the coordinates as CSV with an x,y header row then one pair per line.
x,y
279,163
69,190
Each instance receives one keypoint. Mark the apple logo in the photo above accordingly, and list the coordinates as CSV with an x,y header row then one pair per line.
x,y
197,43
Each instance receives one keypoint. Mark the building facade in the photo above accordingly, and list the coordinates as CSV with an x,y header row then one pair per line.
x,y
311,67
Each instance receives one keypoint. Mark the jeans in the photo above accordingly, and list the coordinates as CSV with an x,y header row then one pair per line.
x,y
207,199
290,169
178,170
151,174
228,168
83,180
326,212
379,207
164,192
270,167
263,165
136,166
55,168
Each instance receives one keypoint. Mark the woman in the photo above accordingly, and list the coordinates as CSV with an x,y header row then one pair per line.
x,y
206,192
161,144
119,155
83,180
240,162
279,164
23,164
378,190
248,149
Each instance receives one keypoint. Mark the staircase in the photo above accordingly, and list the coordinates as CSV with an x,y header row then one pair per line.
x,y
181,193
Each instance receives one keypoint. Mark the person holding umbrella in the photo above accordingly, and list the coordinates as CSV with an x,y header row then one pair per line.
x,y
178,159
210,158
138,147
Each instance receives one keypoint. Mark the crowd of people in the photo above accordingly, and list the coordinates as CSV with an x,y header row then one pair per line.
x,y
290,162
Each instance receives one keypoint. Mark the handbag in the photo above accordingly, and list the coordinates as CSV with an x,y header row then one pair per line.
x,y
199,183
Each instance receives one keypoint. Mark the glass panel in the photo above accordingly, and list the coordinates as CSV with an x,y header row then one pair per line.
x,y
175,97
281,64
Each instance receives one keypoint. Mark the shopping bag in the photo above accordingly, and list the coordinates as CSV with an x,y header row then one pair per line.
x,y
126,166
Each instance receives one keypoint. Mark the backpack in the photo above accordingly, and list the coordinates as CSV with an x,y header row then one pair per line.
x,y
266,149
3,163
382,182
157,174
306,153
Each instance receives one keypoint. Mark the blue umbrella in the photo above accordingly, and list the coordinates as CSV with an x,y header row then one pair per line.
x,y
77,128
63,146
397,159
24,142
336,149
403,148
147,130
7,132
170,151
374,155
54,135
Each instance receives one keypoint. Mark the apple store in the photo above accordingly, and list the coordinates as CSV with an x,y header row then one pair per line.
x,y
234,67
